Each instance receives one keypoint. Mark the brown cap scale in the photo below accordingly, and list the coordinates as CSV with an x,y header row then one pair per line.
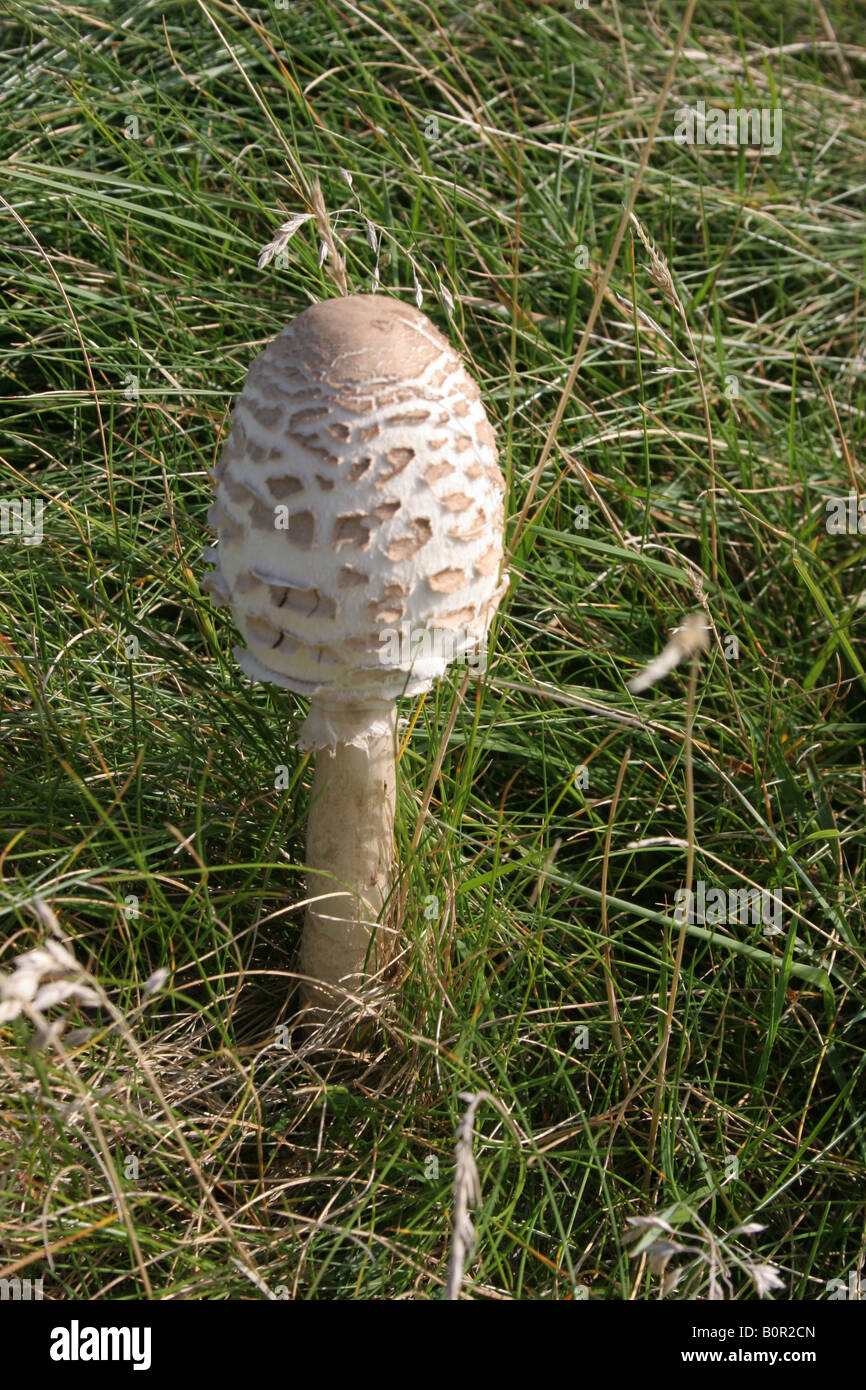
x,y
359,512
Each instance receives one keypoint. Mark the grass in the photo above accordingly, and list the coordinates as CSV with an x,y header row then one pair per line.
x,y
604,1064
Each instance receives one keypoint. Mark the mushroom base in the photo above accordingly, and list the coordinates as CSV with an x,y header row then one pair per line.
x,y
350,852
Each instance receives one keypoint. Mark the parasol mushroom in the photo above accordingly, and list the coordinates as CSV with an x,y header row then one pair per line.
x,y
359,513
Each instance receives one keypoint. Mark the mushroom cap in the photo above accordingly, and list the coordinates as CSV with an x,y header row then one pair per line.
x,y
359,506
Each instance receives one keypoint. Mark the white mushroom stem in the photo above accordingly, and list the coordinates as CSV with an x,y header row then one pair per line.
x,y
350,849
